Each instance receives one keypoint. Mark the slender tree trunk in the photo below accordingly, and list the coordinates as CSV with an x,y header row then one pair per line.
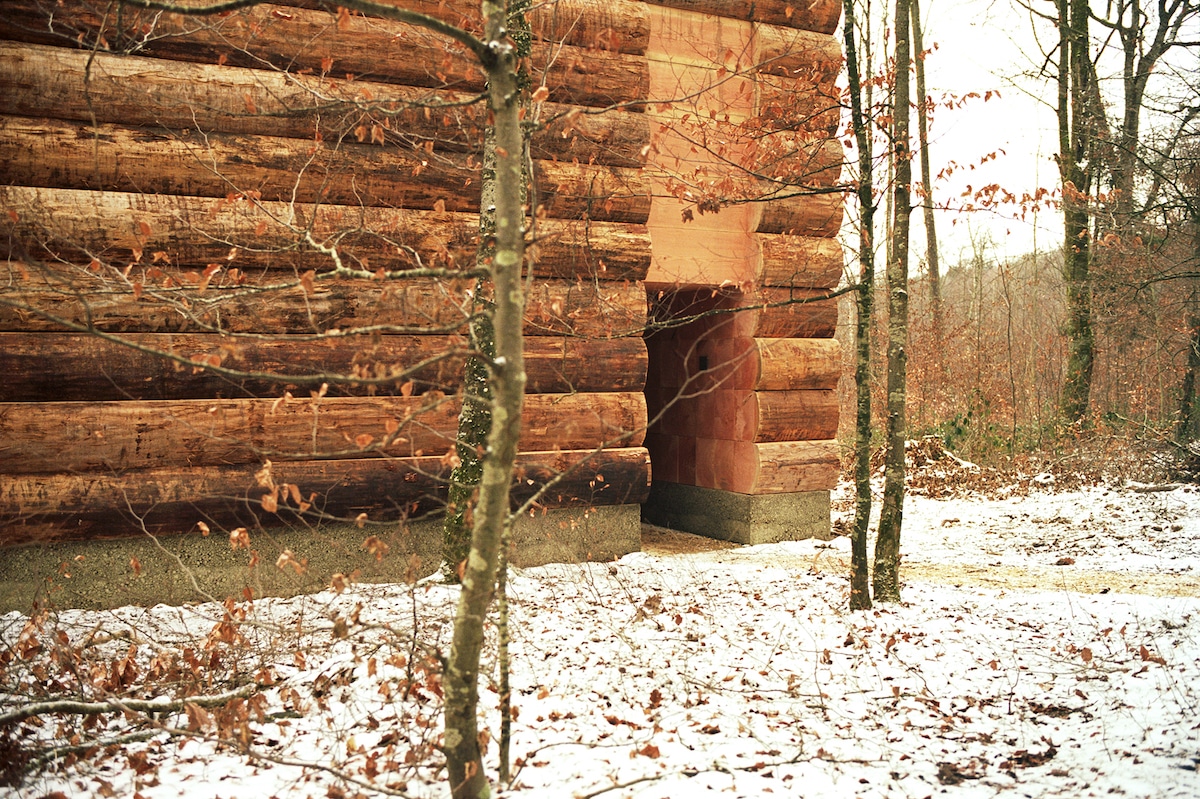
x,y
886,579
1076,129
1188,428
860,589
464,757
521,33
931,247
475,418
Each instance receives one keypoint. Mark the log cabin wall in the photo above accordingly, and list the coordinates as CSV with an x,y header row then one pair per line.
x,y
185,185
743,401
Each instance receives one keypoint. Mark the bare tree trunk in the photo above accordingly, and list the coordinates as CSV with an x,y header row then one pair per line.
x,y
886,579
860,588
1076,129
475,418
1188,428
931,247
464,757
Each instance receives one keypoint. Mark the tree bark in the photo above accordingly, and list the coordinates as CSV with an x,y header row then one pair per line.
x,y
886,577
464,757
860,590
931,245
1076,163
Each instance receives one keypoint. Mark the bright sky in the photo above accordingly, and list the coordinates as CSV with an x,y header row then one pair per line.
x,y
986,45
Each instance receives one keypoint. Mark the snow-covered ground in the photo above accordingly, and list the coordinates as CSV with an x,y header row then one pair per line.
x,y
731,673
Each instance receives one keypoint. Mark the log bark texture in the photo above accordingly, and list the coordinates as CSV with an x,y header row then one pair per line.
x,y
116,437
58,154
821,15
241,231
38,509
750,364
753,416
46,367
800,261
618,25
44,81
269,37
100,299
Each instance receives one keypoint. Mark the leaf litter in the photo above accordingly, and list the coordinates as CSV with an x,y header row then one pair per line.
x,y
722,672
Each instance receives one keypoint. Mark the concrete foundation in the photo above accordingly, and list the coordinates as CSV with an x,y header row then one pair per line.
x,y
741,518
190,568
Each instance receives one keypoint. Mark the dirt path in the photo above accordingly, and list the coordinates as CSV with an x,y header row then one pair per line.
x,y
661,541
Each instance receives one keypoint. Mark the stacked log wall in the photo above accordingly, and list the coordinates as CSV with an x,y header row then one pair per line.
x,y
742,379
179,185
175,186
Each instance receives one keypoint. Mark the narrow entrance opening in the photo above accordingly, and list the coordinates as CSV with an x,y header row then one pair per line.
x,y
695,355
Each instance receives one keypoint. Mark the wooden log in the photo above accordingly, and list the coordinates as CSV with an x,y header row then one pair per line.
x,y
59,154
755,416
239,231
799,261
42,508
43,367
818,215
37,80
787,313
805,415
766,312
102,300
802,104
267,37
816,57
749,364
791,363
618,25
821,15
768,468
115,437
788,162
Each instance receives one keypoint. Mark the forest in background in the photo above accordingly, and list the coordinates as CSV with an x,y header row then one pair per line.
x,y
990,334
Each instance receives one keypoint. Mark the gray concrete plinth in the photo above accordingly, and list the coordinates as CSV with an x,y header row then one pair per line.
x,y
741,518
190,568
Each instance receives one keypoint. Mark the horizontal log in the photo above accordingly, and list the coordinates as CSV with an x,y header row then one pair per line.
x,y
236,231
267,37
689,317
741,415
41,508
32,298
37,80
43,367
614,25
805,415
821,15
788,314
114,437
749,364
800,214
800,261
745,467
791,363
798,53
70,155
802,103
